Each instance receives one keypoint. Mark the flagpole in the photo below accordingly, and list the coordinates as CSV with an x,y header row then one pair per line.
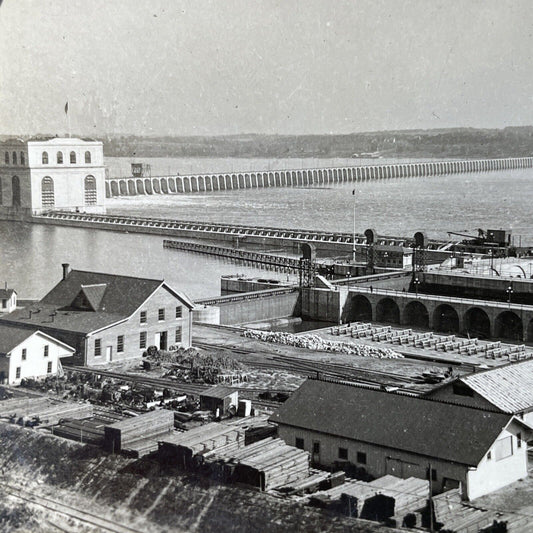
x,y
68,119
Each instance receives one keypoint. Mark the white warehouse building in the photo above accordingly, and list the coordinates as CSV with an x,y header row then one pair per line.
x,y
57,173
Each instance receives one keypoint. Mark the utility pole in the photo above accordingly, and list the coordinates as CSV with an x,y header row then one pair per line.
x,y
353,246
430,501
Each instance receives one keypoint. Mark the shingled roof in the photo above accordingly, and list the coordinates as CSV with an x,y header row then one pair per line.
x,y
430,428
84,302
509,387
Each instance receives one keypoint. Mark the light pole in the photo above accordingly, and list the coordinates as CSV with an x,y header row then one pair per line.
x,y
509,291
416,283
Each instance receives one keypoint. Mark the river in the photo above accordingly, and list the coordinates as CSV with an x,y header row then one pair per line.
x,y
31,255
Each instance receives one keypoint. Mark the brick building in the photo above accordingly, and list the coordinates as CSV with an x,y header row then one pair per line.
x,y
109,318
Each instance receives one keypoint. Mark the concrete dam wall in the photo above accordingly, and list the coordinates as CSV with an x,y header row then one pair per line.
x,y
291,178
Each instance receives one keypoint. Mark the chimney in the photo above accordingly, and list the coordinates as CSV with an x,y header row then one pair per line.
x,y
66,270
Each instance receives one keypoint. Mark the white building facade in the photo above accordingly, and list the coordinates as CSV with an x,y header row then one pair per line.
x,y
55,174
29,354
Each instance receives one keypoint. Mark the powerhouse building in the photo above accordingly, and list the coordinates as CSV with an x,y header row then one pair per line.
x,y
58,173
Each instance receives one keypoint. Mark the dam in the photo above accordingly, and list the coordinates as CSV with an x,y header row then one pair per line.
x,y
196,183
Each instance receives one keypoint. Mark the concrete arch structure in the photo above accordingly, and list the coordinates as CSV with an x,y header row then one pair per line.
x,y
388,311
477,323
508,325
446,319
416,314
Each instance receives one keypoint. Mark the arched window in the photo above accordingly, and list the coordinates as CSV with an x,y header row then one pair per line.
x,y
90,190
87,157
6,158
47,192
44,158
15,187
59,158
72,158
14,158
22,158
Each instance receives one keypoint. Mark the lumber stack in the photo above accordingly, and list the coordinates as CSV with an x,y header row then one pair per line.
x,y
21,406
387,498
266,464
187,449
51,414
125,433
88,431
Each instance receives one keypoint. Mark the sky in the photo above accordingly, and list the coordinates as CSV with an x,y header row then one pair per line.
x,y
216,67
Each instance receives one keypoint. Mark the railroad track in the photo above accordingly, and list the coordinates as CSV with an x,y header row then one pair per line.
x,y
86,517
186,388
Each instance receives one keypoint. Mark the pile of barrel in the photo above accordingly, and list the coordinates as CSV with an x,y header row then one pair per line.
x,y
315,342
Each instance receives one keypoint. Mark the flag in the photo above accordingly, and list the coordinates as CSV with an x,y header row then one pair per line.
x,y
66,108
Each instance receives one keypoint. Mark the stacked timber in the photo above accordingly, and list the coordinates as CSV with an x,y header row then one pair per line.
x,y
266,464
51,414
124,435
451,515
18,407
89,431
387,498
187,449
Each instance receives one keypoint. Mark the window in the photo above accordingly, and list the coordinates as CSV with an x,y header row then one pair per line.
x,y
179,312
161,314
519,440
46,350
97,347
47,192
87,157
343,454
178,335
299,443
22,158
316,447
44,158
72,158
4,303
142,339
361,458
120,343
49,367
503,448
143,317
59,158
14,157
6,158
24,354
90,190
17,374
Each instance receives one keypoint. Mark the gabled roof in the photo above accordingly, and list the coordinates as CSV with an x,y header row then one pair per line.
x,y
6,293
509,387
218,391
90,296
12,336
413,424
62,309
